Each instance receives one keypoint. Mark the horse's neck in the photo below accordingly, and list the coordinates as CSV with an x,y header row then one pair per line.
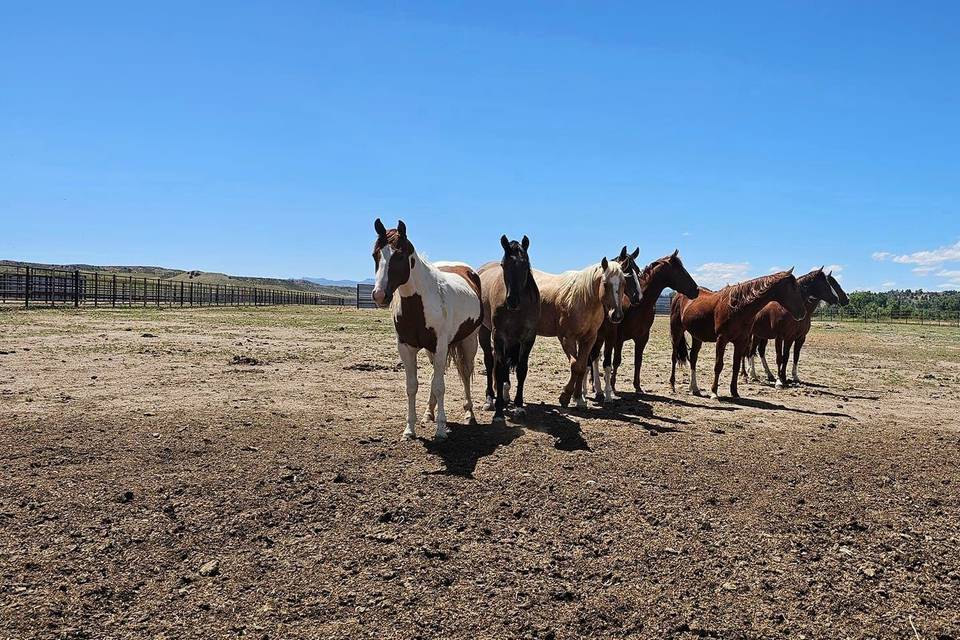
x,y
655,286
812,302
423,280
754,307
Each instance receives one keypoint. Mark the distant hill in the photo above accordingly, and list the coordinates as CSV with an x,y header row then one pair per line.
x,y
339,283
206,277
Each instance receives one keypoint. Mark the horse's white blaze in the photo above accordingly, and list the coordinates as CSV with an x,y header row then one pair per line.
x,y
380,284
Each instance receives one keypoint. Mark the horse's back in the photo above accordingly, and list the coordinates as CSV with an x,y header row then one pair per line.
x,y
697,315
468,308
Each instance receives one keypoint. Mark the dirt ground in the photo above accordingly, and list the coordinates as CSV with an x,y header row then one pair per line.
x,y
239,472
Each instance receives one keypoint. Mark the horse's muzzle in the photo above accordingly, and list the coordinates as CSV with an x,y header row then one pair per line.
x,y
616,316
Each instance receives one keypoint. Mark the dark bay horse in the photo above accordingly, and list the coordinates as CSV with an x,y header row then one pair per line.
x,y
726,316
438,309
774,322
667,272
511,311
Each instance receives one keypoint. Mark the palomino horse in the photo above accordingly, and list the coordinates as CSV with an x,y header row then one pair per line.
x,y
726,316
511,310
439,310
773,321
572,307
638,319
632,292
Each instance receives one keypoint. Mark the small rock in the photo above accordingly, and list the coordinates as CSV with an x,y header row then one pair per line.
x,y
210,568
126,496
147,335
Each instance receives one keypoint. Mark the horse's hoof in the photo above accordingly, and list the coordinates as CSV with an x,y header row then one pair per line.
x,y
599,398
470,419
778,385
734,394
408,435
564,400
581,403
519,413
695,392
499,417
440,435
489,404
795,381
770,378
714,396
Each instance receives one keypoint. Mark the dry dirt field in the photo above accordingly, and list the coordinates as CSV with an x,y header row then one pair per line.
x,y
220,473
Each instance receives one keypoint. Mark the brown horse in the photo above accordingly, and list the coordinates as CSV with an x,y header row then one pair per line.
x,y
726,316
775,322
638,318
572,307
511,310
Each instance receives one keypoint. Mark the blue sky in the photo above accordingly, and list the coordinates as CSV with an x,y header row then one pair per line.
x,y
264,138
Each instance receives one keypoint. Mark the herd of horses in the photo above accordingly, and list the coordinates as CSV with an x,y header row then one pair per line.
x,y
449,310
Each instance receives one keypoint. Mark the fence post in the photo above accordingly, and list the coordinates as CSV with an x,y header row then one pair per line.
x,y
181,293
26,288
76,289
113,294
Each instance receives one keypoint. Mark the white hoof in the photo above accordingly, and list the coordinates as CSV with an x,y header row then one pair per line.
x,y
409,434
714,396
441,433
427,417
778,384
490,404
469,418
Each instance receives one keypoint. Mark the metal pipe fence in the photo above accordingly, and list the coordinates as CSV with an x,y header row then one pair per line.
x,y
37,286
884,316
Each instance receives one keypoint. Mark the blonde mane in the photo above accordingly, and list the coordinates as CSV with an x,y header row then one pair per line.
x,y
582,288
746,293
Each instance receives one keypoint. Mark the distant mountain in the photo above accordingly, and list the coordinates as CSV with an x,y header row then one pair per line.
x,y
338,283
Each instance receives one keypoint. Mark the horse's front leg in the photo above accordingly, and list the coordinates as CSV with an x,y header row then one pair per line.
x,y
570,349
796,357
762,350
609,376
584,347
738,350
408,355
718,367
437,386
522,365
489,362
639,344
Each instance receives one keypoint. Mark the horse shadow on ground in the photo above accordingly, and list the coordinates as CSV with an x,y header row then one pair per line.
x,y
818,388
467,444
771,406
549,420
631,409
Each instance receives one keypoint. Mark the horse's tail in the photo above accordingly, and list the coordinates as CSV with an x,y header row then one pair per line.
x,y
678,336
462,357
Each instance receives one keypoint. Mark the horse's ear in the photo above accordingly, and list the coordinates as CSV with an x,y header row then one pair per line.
x,y
675,253
504,243
821,267
379,228
636,252
401,229
790,270
829,273
623,253
604,264
525,243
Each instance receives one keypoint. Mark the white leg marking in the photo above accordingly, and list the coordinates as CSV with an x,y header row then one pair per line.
x,y
608,392
694,389
766,367
438,386
595,370
796,378
753,368
409,357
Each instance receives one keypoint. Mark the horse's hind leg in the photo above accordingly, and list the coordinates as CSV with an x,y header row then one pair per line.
x,y
608,377
488,362
408,355
738,351
718,368
762,350
429,414
570,349
639,345
796,357
695,345
781,367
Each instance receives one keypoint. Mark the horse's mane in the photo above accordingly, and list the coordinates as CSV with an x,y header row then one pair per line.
x,y
648,270
806,280
580,287
748,292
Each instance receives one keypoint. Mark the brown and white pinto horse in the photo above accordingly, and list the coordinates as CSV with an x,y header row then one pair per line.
x,y
667,272
726,316
572,307
439,310
511,311
775,322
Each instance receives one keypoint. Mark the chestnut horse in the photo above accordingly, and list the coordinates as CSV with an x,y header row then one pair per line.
x,y
773,321
511,310
726,316
438,309
572,307
667,272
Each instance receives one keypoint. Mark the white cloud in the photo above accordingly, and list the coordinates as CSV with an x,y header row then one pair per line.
x,y
881,255
924,271
932,257
719,274
886,286
775,269
686,234
953,274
